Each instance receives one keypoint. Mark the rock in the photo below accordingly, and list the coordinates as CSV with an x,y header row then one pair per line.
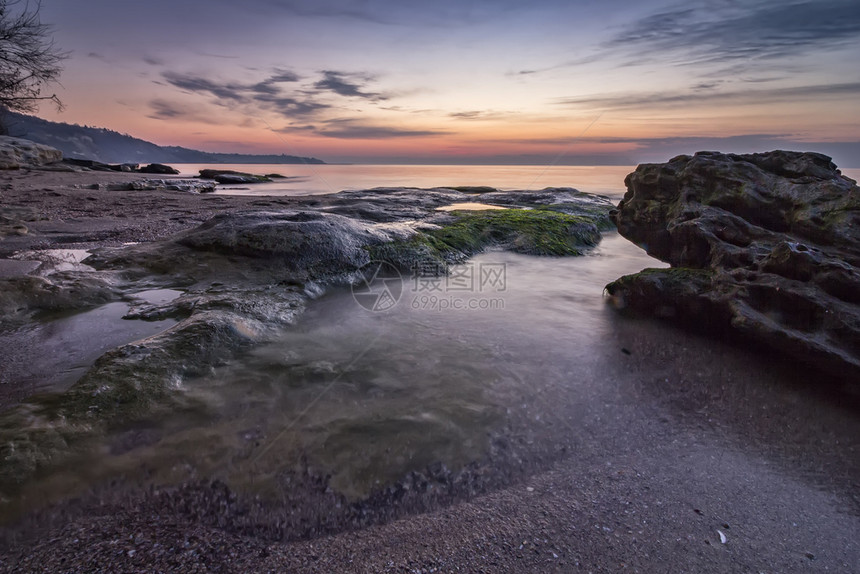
x,y
123,384
764,247
17,153
231,177
305,244
90,164
23,296
99,166
159,168
186,185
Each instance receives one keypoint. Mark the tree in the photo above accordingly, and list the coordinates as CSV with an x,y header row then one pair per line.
x,y
29,60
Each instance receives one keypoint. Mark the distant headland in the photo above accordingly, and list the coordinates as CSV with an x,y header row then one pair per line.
x,y
108,146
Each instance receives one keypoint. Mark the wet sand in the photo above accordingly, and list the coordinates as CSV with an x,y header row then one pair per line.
x,y
698,457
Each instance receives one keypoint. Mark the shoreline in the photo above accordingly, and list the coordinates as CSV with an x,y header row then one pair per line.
x,y
60,211
614,497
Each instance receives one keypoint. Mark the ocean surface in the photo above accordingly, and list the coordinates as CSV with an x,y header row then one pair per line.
x,y
321,179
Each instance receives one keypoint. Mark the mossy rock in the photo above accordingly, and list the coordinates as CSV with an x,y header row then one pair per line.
x,y
528,231
677,294
125,384
476,189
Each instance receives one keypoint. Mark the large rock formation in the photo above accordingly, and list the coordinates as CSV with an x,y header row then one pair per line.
x,y
16,153
762,246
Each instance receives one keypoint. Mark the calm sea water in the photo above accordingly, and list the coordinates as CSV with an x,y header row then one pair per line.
x,y
321,179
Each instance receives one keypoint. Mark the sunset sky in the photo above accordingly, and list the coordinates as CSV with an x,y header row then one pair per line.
x,y
501,81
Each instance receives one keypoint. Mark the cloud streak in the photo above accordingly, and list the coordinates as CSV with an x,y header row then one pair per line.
x,y
707,96
729,36
352,129
162,109
267,94
728,31
282,91
442,13
346,84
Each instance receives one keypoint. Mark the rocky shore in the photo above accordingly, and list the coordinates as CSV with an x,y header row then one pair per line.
x,y
623,488
763,247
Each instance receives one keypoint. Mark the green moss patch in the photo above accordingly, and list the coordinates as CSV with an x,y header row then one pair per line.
x,y
529,231
535,232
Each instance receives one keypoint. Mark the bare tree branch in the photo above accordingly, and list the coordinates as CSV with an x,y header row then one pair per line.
x,y
29,59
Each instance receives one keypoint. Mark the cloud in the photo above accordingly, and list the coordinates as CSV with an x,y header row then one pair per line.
x,y
164,110
442,13
726,37
167,110
719,32
345,84
153,61
290,106
218,56
267,94
282,91
281,76
191,83
478,115
351,129
702,95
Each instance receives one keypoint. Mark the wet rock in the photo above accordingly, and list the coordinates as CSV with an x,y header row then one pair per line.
x,y
765,247
270,306
231,177
24,296
123,385
17,153
159,168
186,185
553,221
88,164
99,166
304,244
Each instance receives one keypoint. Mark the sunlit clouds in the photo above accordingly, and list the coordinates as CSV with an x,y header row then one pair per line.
x,y
483,81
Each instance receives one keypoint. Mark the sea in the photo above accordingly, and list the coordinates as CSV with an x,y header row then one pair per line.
x,y
324,179
330,178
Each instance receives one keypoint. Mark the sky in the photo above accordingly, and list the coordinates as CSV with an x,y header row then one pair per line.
x,y
466,81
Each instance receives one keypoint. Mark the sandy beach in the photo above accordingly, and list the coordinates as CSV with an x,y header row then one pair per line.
x,y
699,456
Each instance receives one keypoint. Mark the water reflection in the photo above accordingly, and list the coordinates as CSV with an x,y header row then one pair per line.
x,y
67,346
